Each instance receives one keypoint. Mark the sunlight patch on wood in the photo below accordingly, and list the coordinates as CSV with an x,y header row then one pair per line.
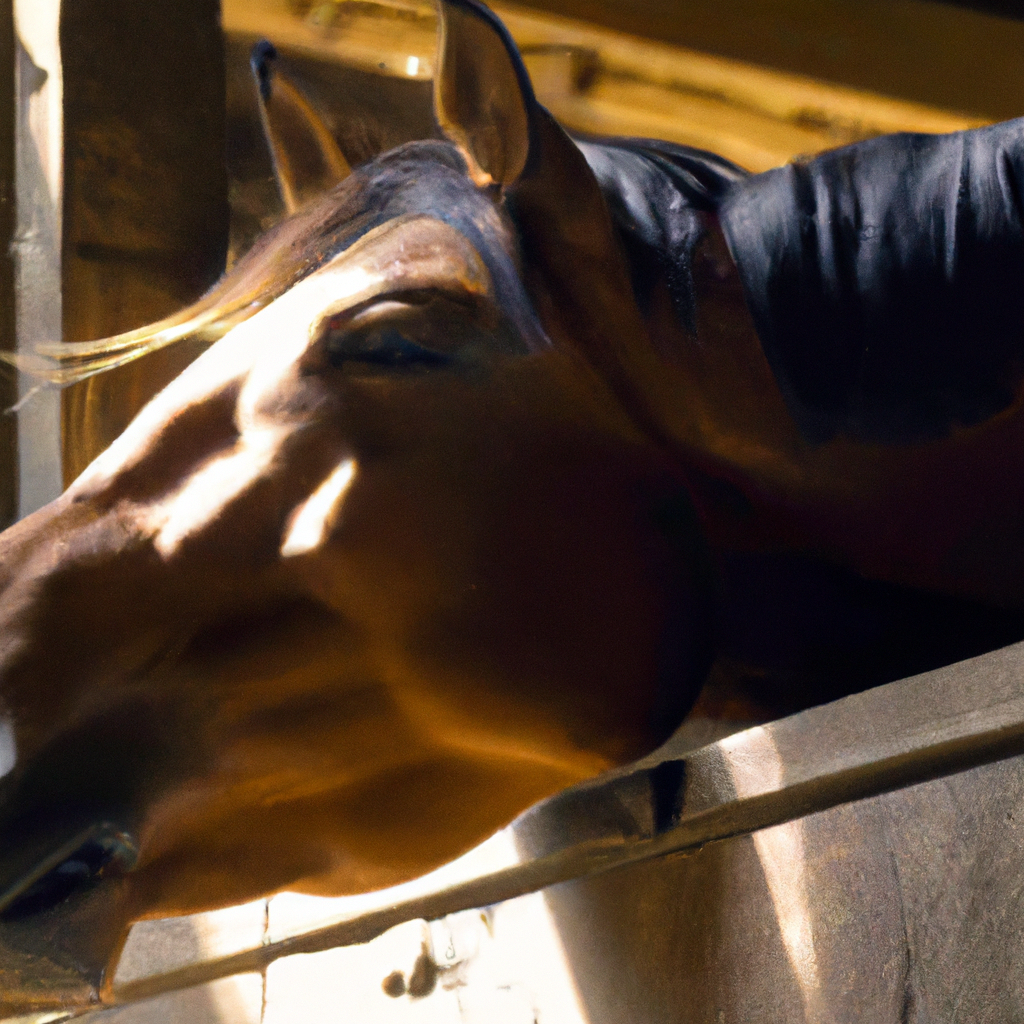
x,y
754,761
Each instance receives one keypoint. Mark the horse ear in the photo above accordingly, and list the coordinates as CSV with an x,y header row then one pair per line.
x,y
307,160
573,264
483,99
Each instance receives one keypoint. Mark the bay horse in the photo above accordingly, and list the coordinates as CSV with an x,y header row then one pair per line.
x,y
500,445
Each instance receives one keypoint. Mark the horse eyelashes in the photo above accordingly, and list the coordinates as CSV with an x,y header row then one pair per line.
x,y
413,331
384,347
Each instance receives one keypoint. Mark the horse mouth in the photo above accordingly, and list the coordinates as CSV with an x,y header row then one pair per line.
x,y
79,864
61,919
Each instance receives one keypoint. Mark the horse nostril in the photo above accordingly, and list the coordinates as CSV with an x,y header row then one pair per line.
x,y
103,853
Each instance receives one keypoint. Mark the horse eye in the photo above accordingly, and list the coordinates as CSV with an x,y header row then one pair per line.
x,y
386,347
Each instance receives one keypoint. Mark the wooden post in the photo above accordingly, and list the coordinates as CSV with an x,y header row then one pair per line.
x,y
36,241
8,386
145,201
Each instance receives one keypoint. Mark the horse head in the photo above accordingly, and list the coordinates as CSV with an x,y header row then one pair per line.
x,y
393,559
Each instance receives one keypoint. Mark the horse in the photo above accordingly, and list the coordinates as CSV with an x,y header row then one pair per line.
x,y
500,445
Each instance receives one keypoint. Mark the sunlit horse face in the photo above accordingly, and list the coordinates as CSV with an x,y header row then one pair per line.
x,y
380,569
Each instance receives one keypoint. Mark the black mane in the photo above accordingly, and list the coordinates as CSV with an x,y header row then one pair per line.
x,y
656,192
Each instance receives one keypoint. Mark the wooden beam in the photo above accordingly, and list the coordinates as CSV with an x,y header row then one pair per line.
x,y
935,53
610,83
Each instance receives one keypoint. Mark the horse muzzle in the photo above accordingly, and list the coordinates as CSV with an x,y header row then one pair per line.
x,y
70,817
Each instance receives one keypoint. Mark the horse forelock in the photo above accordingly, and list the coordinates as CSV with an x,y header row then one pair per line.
x,y
420,178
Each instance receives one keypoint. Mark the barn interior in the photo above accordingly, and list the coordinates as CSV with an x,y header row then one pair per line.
x,y
133,171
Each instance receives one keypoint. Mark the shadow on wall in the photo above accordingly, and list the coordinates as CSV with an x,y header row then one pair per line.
x,y
899,908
